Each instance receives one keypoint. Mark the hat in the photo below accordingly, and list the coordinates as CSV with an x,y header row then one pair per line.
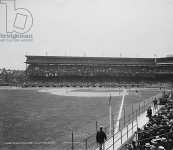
x,y
154,141
163,139
147,145
154,125
171,121
161,148
101,126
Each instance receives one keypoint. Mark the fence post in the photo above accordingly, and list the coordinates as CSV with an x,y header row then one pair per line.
x,y
119,123
132,126
137,117
139,109
132,112
86,144
121,138
110,117
96,129
96,126
132,118
144,105
113,132
129,118
72,139
127,132
105,129
124,117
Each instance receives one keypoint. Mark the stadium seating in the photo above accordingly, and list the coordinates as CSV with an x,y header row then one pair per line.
x,y
157,134
101,71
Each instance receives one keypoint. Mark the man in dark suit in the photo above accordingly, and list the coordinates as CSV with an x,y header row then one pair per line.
x,y
100,138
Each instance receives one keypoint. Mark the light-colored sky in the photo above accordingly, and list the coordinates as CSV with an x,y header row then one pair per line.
x,y
134,28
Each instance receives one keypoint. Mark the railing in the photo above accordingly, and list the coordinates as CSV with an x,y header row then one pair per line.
x,y
123,135
127,132
127,126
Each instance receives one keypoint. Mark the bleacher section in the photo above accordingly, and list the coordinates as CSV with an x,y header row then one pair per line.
x,y
96,70
157,133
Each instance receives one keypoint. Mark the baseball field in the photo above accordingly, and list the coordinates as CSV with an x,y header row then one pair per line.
x,y
44,118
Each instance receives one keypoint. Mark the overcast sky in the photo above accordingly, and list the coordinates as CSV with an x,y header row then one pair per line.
x,y
132,28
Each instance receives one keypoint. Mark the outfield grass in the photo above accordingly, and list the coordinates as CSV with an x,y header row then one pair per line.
x,y
31,116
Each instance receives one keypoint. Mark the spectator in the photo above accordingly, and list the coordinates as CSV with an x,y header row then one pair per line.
x,y
147,146
100,138
149,113
129,147
134,145
157,134
155,103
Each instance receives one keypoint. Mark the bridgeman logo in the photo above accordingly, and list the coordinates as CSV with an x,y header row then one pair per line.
x,y
13,20
18,20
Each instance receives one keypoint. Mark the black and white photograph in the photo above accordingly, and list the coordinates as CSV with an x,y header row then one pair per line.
x,y
86,75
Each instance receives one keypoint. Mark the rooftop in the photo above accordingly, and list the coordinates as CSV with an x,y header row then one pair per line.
x,y
89,60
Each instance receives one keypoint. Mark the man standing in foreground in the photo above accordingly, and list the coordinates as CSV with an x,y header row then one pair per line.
x,y
100,138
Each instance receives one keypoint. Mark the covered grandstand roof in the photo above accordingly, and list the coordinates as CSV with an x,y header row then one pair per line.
x,y
87,60
96,60
165,60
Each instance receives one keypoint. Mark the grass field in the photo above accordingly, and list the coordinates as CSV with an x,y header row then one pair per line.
x,y
27,115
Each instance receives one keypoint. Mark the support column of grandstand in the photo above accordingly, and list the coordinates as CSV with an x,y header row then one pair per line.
x,y
157,133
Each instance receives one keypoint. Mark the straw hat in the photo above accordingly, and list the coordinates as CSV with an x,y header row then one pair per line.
x,y
154,141
171,121
161,148
157,137
154,125
164,139
147,145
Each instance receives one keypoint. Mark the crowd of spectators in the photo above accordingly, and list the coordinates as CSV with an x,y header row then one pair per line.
x,y
11,77
89,82
92,75
157,134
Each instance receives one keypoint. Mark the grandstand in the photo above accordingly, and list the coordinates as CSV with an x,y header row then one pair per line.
x,y
98,70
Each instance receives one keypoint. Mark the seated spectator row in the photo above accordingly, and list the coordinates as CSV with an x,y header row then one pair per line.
x,y
157,134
